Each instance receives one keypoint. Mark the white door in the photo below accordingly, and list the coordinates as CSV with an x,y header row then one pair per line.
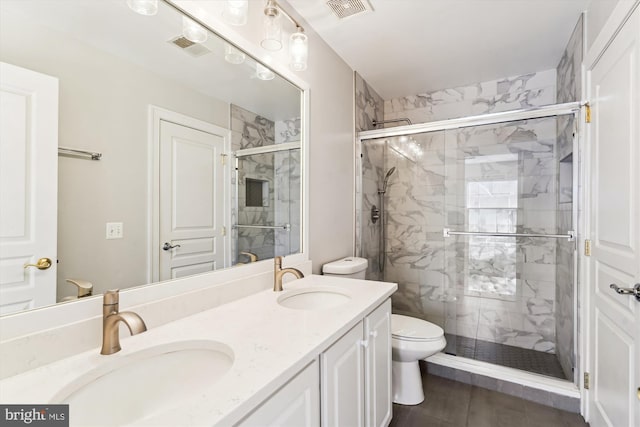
x,y
28,188
614,326
377,327
191,201
342,383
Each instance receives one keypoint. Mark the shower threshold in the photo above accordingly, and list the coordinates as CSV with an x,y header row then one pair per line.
x,y
505,355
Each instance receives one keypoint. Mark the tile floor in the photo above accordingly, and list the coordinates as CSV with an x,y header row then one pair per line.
x,y
505,355
453,404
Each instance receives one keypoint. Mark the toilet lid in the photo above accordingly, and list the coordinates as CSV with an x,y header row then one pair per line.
x,y
413,329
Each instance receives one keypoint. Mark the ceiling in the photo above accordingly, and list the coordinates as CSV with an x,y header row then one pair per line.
x,y
405,47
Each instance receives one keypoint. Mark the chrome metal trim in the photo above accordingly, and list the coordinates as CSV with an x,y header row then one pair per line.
x,y
286,227
382,122
268,149
446,232
483,119
72,151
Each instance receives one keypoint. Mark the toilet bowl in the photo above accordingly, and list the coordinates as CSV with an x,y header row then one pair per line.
x,y
412,340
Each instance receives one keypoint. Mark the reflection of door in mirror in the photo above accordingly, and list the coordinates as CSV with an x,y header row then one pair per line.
x,y
28,188
191,207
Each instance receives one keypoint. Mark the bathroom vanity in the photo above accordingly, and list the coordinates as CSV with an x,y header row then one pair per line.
x,y
318,351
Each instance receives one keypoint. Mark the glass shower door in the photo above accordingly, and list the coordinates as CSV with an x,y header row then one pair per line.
x,y
505,179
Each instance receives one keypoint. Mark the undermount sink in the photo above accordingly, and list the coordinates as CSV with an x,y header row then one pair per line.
x,y
141,384
313,298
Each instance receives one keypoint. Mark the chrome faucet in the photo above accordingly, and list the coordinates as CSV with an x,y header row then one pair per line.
x,y
278,272
111,318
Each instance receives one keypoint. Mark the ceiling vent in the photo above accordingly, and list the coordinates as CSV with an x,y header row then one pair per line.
x,y
346,8
193,49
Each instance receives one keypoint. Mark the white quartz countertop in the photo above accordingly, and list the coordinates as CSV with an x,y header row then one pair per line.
x,y
270,343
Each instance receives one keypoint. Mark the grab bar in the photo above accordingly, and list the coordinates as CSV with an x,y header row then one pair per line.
x,y
286,227
570,236
74,152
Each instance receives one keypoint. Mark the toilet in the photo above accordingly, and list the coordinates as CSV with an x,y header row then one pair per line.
x,y
412,339
349,267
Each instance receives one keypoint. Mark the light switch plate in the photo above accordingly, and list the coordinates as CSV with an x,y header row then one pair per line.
x,y
115,230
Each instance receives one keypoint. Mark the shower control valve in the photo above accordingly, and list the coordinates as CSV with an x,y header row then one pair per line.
x,y
375,214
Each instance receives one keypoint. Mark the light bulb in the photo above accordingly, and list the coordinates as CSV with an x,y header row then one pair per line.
x,y
143,7
298,51
235,12
193,31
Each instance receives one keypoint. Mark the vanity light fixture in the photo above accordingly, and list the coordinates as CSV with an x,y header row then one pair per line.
x,y
193,31
233,55
263,73
298,50
143,7
272,36
271,27
235,12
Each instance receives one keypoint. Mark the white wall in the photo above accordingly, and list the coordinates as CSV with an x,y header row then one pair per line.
x,y
331,168
103,107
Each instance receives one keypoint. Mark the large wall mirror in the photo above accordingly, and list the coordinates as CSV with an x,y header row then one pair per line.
x,y
174,152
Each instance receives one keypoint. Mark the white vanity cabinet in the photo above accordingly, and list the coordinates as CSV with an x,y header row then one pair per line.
x,y
351,386
296,404
356,374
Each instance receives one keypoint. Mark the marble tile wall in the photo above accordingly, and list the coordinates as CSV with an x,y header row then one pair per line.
x,y
569,89
493,96
369,105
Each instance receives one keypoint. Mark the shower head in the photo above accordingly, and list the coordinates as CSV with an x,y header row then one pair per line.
x,y
386,180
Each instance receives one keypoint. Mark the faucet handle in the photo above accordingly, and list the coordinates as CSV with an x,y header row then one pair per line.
x,y
111,297
277,261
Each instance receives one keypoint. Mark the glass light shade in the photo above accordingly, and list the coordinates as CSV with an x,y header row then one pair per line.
x,y
271,32
233,55
263,73
298,51
235,12
143,7
193,32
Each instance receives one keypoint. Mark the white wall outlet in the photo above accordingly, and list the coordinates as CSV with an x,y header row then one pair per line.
x,y
115,230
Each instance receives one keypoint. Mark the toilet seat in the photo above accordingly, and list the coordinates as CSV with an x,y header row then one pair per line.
x,y
412,329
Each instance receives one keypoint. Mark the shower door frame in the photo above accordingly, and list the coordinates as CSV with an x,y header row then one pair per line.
x,y
563,387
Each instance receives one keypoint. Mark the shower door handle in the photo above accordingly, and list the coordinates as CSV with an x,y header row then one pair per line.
x,y
635,291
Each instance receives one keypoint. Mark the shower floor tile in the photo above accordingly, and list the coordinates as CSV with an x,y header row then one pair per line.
x,y
505,355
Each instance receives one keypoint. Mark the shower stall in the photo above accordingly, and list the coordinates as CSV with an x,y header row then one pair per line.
x,y
478,231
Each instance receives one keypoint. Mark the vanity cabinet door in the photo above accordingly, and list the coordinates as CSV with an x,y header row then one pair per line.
x,y
296,404
343,381
378,366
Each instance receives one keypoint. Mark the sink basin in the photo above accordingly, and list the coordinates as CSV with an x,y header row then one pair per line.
x,y
141,384
313,298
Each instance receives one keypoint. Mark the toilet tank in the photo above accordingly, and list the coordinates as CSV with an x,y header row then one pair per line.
x,y
349,267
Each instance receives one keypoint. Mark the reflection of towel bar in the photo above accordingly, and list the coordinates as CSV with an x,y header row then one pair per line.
x,y
268,227
570,236
72,151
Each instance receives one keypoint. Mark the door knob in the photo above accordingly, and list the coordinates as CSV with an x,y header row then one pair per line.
x,y
635,291
42,264
167,246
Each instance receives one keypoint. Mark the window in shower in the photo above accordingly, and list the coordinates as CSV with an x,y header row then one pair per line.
x,y
492,206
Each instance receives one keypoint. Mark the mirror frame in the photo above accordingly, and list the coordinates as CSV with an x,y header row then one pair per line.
x,y
28,322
